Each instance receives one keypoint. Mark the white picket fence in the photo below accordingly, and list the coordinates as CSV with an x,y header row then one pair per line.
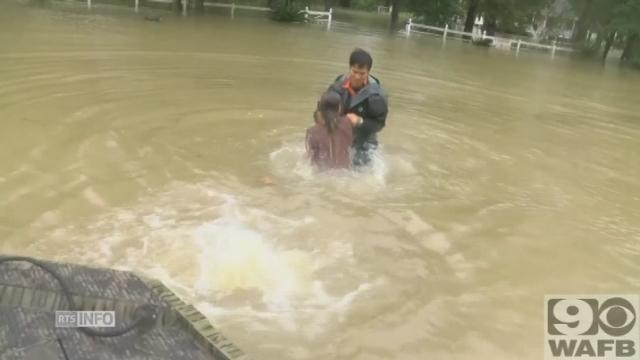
x,y
477,34
318,15
308,14
232,7
385,9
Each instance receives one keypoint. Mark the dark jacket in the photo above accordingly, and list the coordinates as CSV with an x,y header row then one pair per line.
x,y
370,103
330,151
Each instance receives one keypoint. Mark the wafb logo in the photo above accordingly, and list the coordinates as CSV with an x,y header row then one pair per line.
x,y
592,327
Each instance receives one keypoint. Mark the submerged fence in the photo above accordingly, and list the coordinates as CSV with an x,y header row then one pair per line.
x,y
185,4
481,36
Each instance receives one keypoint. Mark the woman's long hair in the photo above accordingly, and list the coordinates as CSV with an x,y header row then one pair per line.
x,y
329,110
330,119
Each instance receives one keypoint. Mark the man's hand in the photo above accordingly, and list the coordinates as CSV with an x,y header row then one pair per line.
x,y
354,119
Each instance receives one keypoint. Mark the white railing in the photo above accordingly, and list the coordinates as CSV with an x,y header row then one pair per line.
x,y
477,34
385,9
233,7
183,3
318,15
185,6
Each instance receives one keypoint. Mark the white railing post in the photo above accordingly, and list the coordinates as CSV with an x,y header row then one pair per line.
x,y
89,4
329,18
306,13
184,7
518,48
408,27
553,50
444,34
233,10
137,5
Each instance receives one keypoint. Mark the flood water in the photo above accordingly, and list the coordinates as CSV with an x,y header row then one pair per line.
x,y
141,145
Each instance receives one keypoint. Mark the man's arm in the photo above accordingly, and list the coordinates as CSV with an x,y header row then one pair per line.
x,y
376,117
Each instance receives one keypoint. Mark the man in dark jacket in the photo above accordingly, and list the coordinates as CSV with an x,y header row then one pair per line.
x,y
364,102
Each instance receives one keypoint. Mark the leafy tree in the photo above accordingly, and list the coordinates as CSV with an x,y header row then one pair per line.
x,y
626,20
435,12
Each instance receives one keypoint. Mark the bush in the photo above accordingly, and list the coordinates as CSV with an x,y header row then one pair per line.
x,y
369,5
588,50
286,11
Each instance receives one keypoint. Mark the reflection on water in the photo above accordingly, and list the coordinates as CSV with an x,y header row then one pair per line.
x,y
141,145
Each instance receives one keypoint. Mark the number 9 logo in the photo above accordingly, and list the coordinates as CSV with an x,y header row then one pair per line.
x,y
571,317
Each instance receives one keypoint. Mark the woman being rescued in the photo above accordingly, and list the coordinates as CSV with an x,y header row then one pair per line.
x,y
328,142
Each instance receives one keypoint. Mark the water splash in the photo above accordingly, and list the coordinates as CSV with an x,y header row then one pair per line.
x,y
289,162
214,250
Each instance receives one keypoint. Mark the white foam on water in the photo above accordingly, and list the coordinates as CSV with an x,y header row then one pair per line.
x,y
290,162
390,174
211,248
93,197
232,256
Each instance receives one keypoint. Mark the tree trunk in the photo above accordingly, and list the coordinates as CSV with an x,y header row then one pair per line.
x,y
394,15
471,15
629,49
583,23
607,45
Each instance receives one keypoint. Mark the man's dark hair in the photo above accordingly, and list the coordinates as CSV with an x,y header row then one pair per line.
x,y
360,58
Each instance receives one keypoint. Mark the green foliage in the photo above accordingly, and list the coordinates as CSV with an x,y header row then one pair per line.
x,y
507,16
588,50
369,5
434,12
625,17
512,16
286,11
622,16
